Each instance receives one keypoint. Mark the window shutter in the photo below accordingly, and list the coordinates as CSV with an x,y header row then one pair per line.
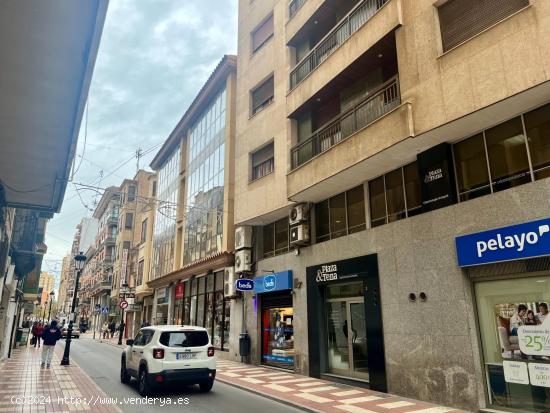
x,y
262,94
462,19
262,33
262,155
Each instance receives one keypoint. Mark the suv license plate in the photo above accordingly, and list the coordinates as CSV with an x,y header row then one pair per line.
x,y
186,356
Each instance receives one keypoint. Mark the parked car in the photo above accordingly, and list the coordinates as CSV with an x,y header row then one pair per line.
x,y
167,354
75,333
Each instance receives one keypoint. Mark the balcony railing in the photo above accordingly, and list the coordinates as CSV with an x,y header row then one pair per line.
x,y
374,106
354,20
294,6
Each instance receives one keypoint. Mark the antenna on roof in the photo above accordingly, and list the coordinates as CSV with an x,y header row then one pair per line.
x,y
139,154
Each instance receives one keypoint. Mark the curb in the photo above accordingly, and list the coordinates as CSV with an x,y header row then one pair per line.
x,y
270,397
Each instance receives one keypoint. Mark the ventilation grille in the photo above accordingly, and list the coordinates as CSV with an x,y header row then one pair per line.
x,y
533,265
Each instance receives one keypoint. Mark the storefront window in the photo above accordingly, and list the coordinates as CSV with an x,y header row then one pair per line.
x,y
537,126
517,362
412,189
278,337
322,220
395,195
471,168
276,238
377,196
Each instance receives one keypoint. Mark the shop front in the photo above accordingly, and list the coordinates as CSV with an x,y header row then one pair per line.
x,y
345,322
274,292
510,271
162,297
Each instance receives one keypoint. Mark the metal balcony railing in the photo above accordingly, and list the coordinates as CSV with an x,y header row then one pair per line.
x,y
294,6
353,21
374,106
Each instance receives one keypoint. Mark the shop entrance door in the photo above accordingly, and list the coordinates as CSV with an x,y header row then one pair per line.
x,y
347,338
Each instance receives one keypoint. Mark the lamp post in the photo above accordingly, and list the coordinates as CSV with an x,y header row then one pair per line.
x,y
78,264
52,294
121,326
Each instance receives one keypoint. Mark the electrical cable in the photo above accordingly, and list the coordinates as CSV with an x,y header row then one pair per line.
x,y
85,139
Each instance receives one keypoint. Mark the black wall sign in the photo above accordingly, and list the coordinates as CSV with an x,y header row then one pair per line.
x,y
364,269
437,180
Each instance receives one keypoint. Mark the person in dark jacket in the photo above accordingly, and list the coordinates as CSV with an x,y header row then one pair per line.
x,y
37,332
112,328
51,335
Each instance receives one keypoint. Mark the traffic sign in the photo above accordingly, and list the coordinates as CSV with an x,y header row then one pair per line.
x,y
244,284
123,304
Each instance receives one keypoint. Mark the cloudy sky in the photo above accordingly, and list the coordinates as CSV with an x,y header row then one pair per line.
x,y
154,57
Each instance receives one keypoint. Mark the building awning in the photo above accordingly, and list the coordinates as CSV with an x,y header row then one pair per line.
x,y
202,266
47,55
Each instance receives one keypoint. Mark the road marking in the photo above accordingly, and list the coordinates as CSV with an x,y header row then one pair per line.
x,y
313,398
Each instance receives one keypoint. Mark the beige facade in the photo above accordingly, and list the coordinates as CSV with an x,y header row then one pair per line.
x,y
361,89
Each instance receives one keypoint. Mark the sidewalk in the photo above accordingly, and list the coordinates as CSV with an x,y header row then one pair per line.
x,y
318,395
25,387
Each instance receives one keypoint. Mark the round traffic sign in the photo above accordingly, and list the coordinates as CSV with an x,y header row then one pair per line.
x,y
123,304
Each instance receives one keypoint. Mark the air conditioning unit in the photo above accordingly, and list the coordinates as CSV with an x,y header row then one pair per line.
x,y
299,235
229,282
298,213
243,237
243,260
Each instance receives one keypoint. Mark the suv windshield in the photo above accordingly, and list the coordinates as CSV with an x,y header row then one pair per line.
x,y
184,338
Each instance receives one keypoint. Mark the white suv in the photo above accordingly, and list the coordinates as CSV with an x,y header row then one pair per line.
x,y
161,354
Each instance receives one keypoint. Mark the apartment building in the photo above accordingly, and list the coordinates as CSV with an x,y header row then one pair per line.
x,y
145,218
379,144
193,233
46,284
63,281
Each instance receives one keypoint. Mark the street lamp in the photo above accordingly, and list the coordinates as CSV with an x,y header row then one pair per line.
x,y
78,264
121,326
52,294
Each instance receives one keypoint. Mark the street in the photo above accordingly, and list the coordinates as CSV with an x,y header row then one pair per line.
x,y
102,362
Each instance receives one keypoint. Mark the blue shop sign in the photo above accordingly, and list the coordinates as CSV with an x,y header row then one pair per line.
x,y
527,240
273,282
244,284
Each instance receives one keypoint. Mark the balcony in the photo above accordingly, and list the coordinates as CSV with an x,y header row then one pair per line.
x,y
110,240
369,22
112,220
361,115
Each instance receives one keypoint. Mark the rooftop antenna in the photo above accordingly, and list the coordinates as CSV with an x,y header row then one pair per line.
x,y
139,154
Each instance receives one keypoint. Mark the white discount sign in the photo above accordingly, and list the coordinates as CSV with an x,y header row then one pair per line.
x,y
535,340
540,374
515,372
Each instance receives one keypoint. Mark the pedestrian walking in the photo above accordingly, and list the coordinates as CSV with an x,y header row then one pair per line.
x,y
51,335
112,328
105,330
37,334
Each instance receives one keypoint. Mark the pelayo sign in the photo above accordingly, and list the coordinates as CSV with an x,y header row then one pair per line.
x,y
528,240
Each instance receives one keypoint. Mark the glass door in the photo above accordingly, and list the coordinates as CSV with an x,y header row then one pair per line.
x,y
347,338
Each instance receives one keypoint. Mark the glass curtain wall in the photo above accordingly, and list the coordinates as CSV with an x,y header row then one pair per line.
x,y
205,189
164,230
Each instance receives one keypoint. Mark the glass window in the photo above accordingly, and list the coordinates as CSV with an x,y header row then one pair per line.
x,y
278,337
395,195
281,235
471,168
537,126
184,338
131,193
356,209
377,198
226,323
218,319
269,240
503,306
507,155
338,221
262,33
209,312
262,96
322,221
128,220
412,189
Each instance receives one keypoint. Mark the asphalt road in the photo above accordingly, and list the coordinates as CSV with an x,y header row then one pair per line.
x,y
102,362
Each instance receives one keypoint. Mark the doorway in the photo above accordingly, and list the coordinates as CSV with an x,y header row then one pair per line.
x,y
347,337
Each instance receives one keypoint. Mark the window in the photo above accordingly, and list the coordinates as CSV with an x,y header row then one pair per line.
x,y
537,128
340,215
262,96
139,279
128,220
262,34
131,195
263,162
507,155
154,189
395,196
276,238
461,20
144,230
184,338
472,173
